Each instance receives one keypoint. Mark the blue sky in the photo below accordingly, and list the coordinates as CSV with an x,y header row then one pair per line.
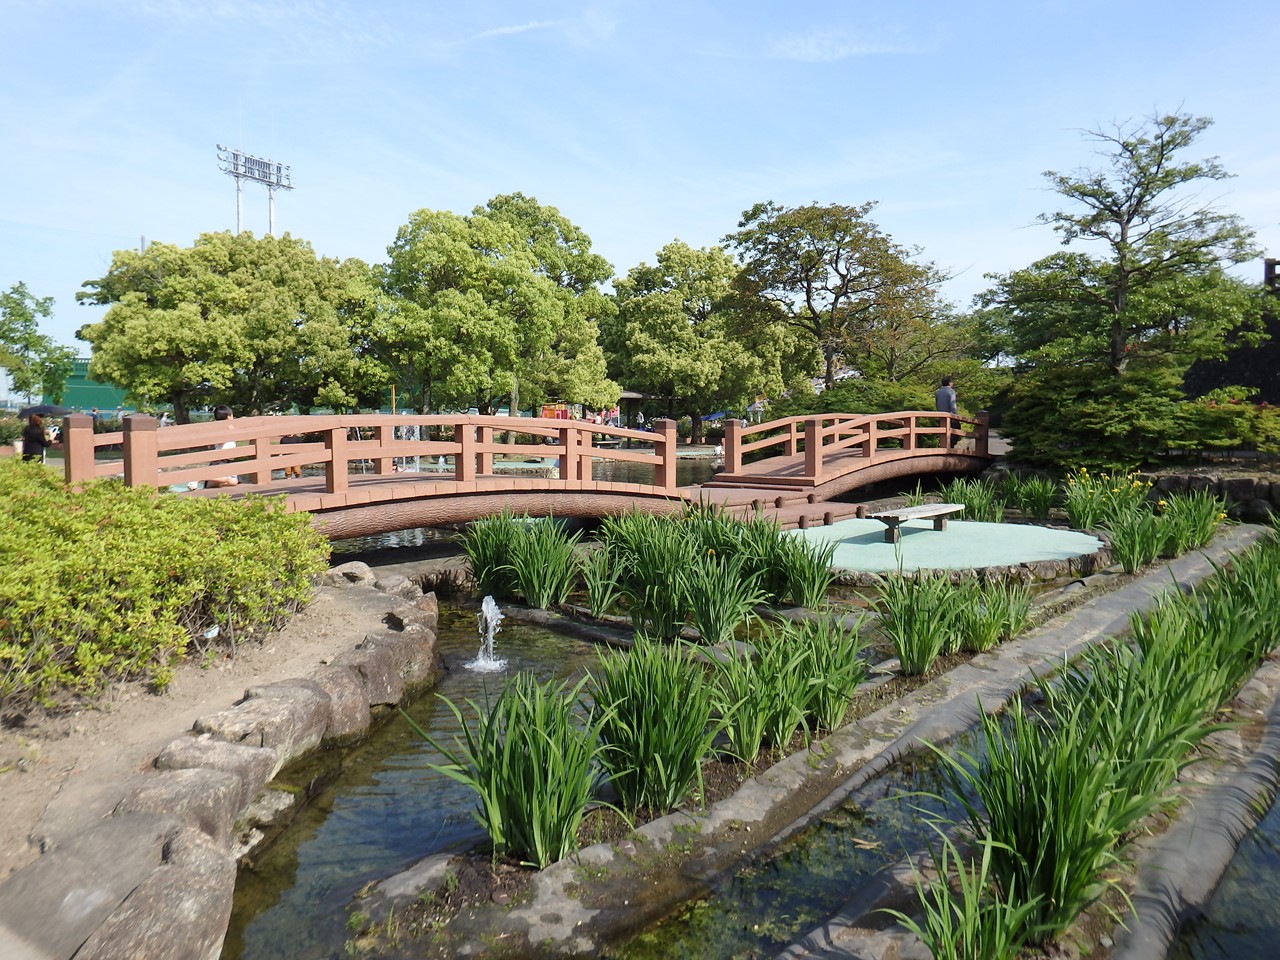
x,y
641,121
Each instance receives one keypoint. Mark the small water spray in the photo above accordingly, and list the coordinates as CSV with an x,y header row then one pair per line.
x,y
490,618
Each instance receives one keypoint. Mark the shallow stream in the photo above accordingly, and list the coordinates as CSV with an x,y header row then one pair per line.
x,y
377,807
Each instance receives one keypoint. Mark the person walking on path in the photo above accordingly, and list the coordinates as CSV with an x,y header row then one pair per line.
x,y
944,401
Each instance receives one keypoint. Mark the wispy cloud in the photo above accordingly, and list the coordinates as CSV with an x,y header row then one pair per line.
x,y
520,28
829,47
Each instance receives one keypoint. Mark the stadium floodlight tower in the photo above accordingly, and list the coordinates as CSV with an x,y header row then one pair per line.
x,y
235,163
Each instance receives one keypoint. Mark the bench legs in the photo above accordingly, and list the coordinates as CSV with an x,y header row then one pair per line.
x,y
892,534
939,523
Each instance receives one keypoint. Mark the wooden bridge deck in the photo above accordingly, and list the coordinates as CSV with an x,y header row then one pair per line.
x,y
800,464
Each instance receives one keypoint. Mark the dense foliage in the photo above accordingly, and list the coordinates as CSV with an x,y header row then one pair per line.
x,y
33,362
1103,341
111,583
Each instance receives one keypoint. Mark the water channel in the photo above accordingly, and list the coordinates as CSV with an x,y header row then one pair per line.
x,y
1241,921
377,807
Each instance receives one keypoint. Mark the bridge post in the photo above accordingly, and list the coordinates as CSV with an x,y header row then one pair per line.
x,y
813,447
871,442
982,434
732,444
664,471
141,457
790,446
262,455
570,461
383,432
335,470
77,447
464,462
484,456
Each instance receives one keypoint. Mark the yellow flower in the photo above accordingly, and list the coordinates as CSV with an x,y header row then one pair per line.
x,y
1162,503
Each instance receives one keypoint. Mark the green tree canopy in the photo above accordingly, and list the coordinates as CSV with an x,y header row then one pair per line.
x,y
487,304
34,363
684,333
262,324
834,277
1102,341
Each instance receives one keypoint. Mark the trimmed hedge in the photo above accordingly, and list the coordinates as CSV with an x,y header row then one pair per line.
x,y
109,583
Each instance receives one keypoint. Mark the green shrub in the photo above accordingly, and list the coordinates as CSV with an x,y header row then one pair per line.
x,y
109,583
602,579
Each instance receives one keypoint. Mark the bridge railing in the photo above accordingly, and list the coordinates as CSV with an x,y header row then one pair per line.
x,y
252,447
876,435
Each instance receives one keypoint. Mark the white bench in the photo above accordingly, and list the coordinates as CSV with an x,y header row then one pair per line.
x,y
895,518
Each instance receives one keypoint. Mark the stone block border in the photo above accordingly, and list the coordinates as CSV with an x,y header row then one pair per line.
x,y
156,878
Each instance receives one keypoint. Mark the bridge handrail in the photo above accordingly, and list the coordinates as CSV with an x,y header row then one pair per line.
x,y
186,453
819,434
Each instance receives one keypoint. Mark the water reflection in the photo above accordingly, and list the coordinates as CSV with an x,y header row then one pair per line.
x,y
1241,921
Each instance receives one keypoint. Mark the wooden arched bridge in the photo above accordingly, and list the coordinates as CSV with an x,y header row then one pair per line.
x,y
372,473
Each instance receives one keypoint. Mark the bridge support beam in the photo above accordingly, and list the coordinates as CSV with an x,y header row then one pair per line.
x,y
813,447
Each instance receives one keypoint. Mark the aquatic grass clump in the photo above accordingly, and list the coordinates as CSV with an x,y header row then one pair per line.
x,y
1046,799
1094,499
1033,496
1137,536
652,555
543,558
1190,520
982,501
990,613
488,544
657,723
921,615
603,581
762,695
805,569
834,662
720,595
533,765
965,916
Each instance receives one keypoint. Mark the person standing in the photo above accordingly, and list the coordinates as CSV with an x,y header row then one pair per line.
x,y
35,441
944,401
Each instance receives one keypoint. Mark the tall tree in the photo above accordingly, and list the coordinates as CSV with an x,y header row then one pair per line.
x,y
34,363
683,332
1103,341
830,273
259,323
560,356
480,309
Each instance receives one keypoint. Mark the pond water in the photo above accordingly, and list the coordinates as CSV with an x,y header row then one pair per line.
x,y
1241,921
778,899
377,807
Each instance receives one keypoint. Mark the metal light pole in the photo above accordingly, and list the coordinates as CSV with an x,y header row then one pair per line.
x,y
241,166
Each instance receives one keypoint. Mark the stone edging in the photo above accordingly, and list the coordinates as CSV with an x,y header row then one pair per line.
x,y
156,878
